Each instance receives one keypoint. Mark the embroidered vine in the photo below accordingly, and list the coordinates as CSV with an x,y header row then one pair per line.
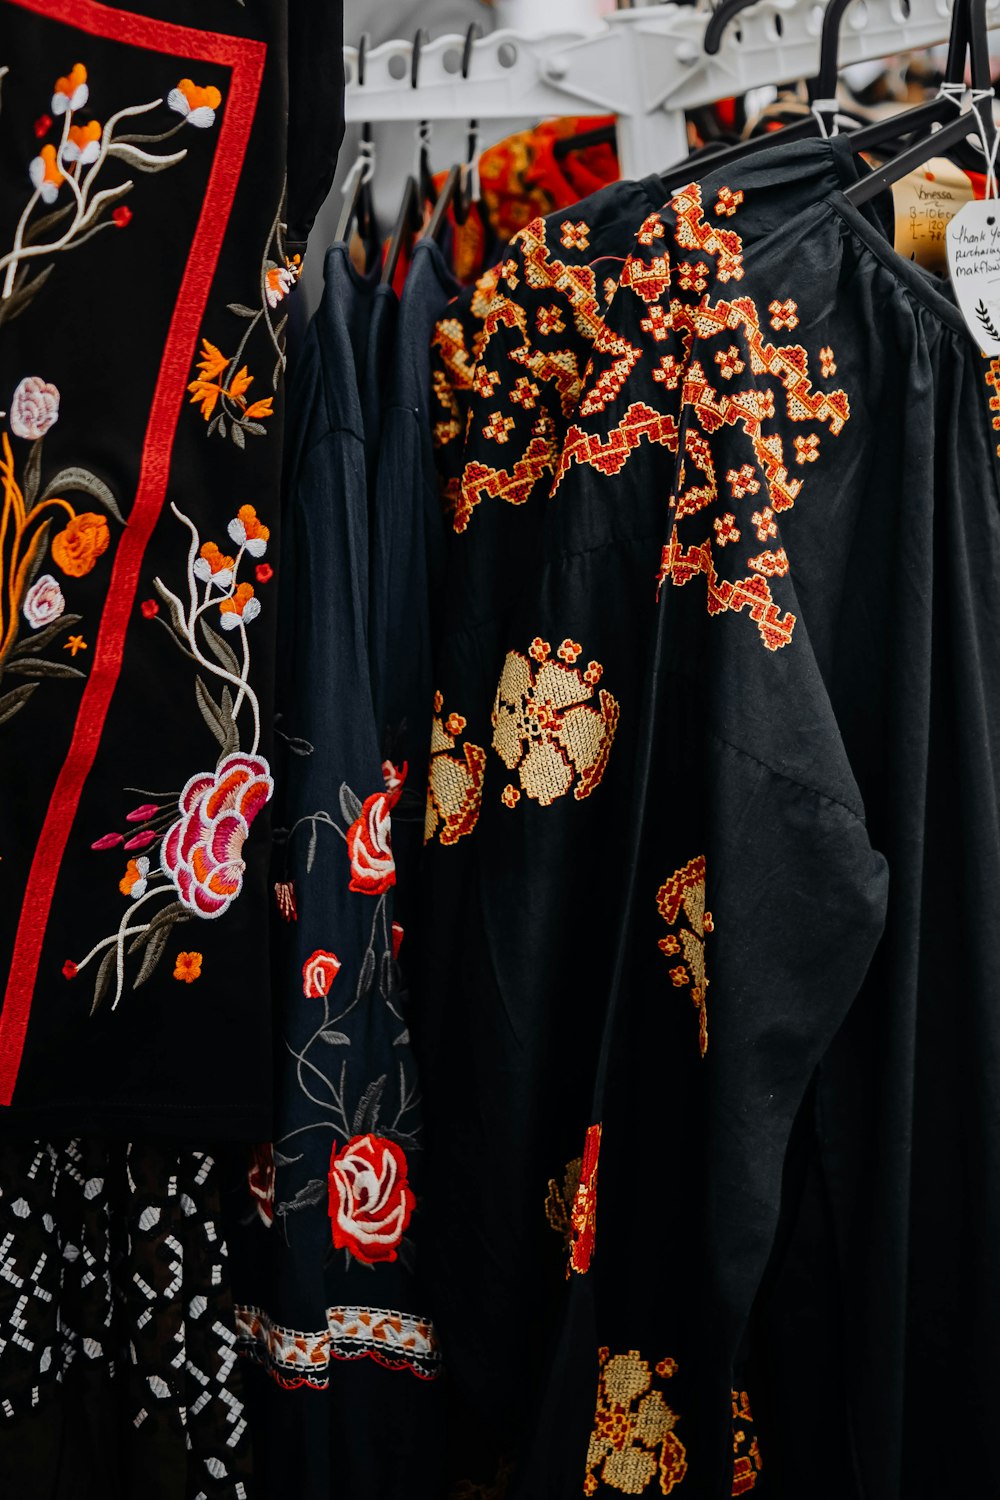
x,y
72,159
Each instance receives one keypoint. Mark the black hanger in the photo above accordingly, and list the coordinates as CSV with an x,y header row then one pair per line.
x,y
969,25
358,208
418,188
456,192
603,135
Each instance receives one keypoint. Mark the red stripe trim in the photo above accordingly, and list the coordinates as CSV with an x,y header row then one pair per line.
x,y
245,58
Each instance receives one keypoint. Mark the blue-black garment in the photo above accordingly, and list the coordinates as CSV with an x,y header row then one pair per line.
x,y
329,1306
407,560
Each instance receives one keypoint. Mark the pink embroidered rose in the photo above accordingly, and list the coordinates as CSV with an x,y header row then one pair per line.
x,y
203,850
370,1198
318,974
43,602
260,1180
34,408
369,844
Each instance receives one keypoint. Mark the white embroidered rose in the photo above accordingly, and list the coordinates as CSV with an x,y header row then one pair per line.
x,y
370,1198
34,408
43,602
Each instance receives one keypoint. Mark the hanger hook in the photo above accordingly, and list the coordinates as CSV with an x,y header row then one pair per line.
x,y
418,46
473,34
364,43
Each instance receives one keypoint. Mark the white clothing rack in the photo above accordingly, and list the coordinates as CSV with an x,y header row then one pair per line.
x,y
647,66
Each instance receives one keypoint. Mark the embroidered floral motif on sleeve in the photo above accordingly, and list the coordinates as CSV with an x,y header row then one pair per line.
x,y
397,1340
454,785
634,1446
684,893
583,1214
747,1462
545,728
560,1199
370,1198
76,162
28,509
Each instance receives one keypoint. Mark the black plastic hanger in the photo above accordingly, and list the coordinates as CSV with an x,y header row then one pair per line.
x,y
969,25
418,189
456,192
358,211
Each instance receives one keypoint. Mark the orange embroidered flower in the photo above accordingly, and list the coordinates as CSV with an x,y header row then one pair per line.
x,y
212,362
133,883
679,976
277,284
510,796
539,649
71,92
240,606
454,724
83,143
45,175
569,651
197,105
211,565
264,408
247,531
187,967
76,549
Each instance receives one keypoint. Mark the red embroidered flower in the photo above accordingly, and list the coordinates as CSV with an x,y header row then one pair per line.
x,y
583,1215
69,969
260,1180
395,779
370,1198
263,572
318,973
108,841
150,609
203,851
122,216
369,845
43,125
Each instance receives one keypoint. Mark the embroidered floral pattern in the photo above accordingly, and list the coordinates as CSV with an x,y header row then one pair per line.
x,y
545,727
583,1214
454,785
634,1446
684,893
260,1181
221,385
370,1198
747,1462
201,832
318,973
28,511
67,172
560,1199
297,1357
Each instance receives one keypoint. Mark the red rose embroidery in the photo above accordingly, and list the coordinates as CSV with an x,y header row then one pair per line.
x,y
369,845
150,609
318,973
395,777
203,851
260,1180
370,1198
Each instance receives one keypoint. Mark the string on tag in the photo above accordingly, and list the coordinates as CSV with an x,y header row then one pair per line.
x,y
821,108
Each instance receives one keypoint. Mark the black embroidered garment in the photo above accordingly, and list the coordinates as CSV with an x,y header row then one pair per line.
x,y
147,251
325,1271
742,668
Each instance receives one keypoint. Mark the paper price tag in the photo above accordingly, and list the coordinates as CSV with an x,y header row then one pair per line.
x,y
973,239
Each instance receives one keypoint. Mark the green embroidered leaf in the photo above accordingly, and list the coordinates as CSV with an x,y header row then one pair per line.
x,y
311,852
387,975
314,1191
171,603
37,666
367,976
109,967
256,429
11,702
142,161
243,311
220,648
280,327
350,805
168,917
403,1040
23,295
214,424
156,942
366,1116
335,1038
222,425
40,227
238,438
41,638
102,201
232,740
69,481
32,473
211,712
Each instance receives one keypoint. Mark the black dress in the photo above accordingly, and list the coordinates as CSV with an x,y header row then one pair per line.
x,y
740,719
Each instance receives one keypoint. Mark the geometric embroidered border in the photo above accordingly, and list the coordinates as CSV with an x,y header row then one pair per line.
x,y
399,1341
